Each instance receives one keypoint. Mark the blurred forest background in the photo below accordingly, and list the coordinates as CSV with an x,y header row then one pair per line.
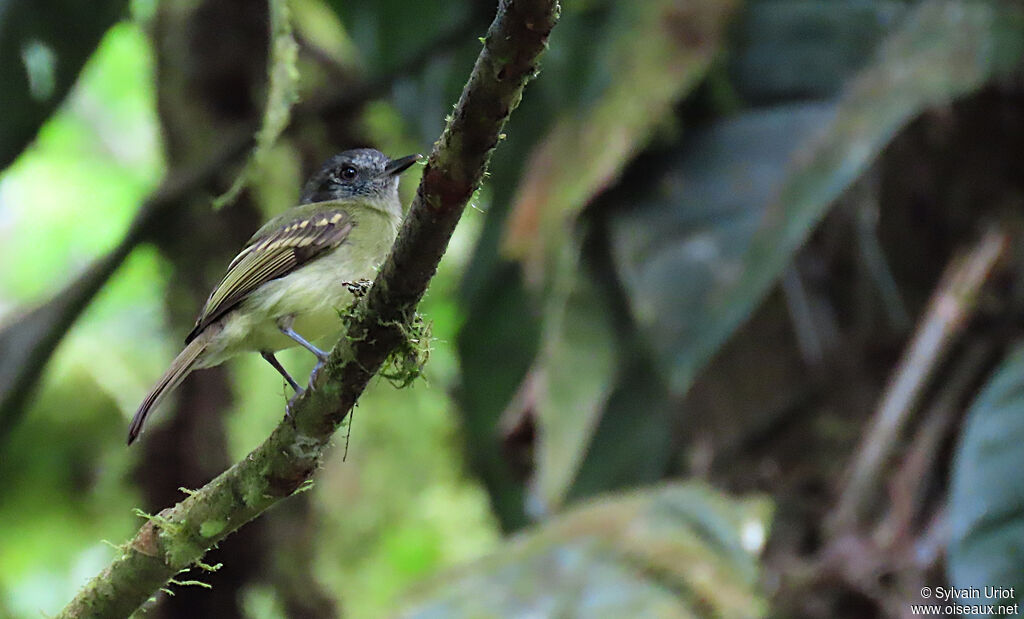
x,y
733,328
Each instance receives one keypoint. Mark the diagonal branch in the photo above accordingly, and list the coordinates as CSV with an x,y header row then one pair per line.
x,y
179,536
949,309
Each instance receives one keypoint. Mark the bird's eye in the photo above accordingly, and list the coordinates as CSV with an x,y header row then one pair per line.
x,y
348,173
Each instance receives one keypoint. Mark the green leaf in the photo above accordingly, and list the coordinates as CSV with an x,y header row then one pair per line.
x,y
941,51
680,237
663,51
282,93
986,500
500,337
43,46
633,443
496,346
795,49
673,551
574,376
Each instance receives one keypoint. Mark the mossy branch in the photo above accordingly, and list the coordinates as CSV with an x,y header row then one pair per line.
x,y
179,536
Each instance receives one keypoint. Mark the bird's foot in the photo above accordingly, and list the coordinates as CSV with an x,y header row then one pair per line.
x,y
291,403
358,288
316,370
286,328
299,390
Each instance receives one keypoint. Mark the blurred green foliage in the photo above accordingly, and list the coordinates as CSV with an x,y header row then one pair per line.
x,y
40,58
66,199
663,174
100,155
674,551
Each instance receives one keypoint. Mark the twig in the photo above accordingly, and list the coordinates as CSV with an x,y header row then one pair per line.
x,y
919,464
866,215
180,535
856,559
951,304
815,333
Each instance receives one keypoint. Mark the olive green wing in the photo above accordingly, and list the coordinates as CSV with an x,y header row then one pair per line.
x,y
279,248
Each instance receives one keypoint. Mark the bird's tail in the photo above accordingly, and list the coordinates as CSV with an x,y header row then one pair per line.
x,y
179,369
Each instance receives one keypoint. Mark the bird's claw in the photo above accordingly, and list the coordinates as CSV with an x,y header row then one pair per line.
x,y
291,402
298,392
316,370
358,288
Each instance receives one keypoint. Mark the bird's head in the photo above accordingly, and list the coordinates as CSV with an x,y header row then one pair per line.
x,y
359,173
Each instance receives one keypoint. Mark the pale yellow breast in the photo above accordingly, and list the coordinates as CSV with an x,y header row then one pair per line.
x,y
314,295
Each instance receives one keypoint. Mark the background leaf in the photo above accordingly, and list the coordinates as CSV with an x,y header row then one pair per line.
x,y
941,51
986,499
674,551
794,49
43,46
388,32
663,50
574,373
499,340
684,242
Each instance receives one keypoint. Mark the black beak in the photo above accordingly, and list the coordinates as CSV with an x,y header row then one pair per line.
x,y
397,166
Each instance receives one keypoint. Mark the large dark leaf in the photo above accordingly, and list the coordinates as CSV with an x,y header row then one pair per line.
x,y
43,45
633,443
496,346
804,49
986,502
676,551
683,242
745,195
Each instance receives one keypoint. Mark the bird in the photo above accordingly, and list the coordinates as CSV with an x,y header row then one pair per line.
x,y
288,283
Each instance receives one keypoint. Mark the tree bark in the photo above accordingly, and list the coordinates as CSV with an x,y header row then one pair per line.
x,y
210,78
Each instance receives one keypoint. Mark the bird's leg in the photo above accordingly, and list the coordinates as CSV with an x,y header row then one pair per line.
x,y
272,360
285,325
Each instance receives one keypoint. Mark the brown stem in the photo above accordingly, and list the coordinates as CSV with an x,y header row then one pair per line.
x,y
179,536
919,465
947,313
